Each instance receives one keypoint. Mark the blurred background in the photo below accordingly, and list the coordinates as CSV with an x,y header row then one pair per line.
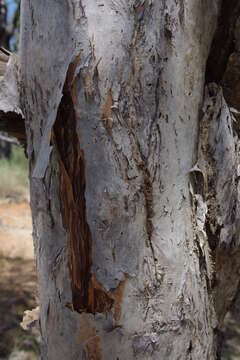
x,y
17,270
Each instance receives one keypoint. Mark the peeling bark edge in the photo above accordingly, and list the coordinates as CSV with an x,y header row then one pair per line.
x,y
11,116
87,294
72,169
12,123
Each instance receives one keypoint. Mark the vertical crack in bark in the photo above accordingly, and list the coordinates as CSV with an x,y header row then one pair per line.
x,y
87,294
147,189
141,162
142,12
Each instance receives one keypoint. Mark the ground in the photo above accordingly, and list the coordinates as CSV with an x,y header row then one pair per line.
x,y
17,271
17,280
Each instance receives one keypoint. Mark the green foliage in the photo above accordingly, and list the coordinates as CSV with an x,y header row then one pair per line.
x,y
14,182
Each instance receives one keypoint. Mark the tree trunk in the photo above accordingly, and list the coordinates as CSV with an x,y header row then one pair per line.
x,y
134,174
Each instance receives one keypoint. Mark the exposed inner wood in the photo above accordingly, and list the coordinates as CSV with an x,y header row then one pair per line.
x,y
87,294
72,188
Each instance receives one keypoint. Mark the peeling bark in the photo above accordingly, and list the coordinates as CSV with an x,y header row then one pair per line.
x,y
11,116
222,152
87,295
219,149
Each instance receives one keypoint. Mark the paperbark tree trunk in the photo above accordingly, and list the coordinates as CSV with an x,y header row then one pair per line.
x,y
134,174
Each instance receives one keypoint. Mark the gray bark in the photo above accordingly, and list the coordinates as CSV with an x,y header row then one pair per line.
x,y
136,225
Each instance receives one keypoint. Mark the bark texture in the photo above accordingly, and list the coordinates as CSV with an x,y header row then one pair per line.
x,y
136,225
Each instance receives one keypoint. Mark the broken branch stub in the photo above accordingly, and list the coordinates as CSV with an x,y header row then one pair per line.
x,y
11,116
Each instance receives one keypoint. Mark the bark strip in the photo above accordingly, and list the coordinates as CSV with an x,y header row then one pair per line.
x,y
72,188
